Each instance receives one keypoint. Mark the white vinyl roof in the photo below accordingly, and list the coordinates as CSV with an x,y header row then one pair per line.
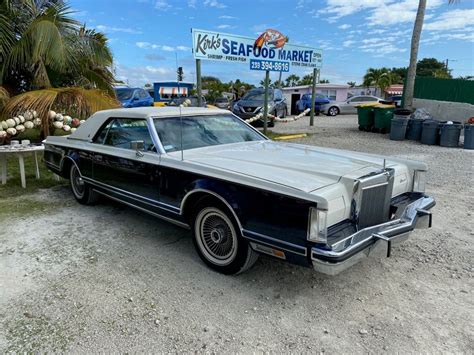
x,y
87,130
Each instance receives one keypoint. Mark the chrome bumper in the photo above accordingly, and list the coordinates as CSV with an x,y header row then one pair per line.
x,y
339,256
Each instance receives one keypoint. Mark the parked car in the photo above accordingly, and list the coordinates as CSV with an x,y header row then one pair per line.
x,y
192,101
134,97
397,100
252,103
335,108
240,193
222,102
305,103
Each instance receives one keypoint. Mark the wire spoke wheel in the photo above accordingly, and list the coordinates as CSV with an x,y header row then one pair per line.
x,y
216,236
77,183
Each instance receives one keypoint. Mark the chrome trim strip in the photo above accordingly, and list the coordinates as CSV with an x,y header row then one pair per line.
x,y
133,196
265,238
181,224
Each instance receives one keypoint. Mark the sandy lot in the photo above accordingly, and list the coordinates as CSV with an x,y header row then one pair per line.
x,y
108,278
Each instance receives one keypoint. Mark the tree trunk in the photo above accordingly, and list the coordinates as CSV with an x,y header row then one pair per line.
x,y
415,41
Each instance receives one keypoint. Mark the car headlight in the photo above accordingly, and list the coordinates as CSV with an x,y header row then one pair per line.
x,y
419,181
317,228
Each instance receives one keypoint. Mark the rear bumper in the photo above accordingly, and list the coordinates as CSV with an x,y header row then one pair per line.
x,y
346,252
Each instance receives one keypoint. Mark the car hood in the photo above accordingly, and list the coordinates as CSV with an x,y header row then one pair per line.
x,y
306,168
253,103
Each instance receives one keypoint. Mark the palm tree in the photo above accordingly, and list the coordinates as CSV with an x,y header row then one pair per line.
x,y
41,46
415,43
378,77
292,80
43,49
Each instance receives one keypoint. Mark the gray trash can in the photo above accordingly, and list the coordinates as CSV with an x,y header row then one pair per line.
x,y
398,129
401,113
430,132
449,134
469,136
414,129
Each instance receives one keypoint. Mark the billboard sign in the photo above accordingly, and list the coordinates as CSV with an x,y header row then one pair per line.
x,y
269,52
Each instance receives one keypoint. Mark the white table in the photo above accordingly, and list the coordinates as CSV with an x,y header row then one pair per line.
x,y
20,151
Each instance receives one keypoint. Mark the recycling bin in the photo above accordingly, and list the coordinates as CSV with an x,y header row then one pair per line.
x,y
469,136
383,115
430,132
398,129
365,115
414,129
449,133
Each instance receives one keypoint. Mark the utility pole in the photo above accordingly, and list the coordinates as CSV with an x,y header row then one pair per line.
x,y
313,97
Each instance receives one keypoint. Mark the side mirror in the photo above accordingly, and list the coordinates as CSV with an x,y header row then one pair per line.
x,y
138,147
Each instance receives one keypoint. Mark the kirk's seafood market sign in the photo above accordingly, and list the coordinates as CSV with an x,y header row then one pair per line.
x,y
269,52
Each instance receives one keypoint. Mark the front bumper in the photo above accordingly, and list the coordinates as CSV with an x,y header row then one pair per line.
x,y
351,249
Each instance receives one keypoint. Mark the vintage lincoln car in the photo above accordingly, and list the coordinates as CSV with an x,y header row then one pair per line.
x,y
240,193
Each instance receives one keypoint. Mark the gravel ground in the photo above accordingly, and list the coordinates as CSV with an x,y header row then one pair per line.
x,y
110,279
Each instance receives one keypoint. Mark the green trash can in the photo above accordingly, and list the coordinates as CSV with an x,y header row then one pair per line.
x,y
383,115
365,114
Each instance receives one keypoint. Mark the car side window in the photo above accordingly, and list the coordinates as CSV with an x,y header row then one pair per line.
x,y
120,132
371,99
278,95
142,94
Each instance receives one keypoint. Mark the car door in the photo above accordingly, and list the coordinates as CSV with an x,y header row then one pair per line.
x,y
350,106
121,170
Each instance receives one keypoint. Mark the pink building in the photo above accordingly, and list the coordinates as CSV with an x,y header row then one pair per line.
x,y
335,92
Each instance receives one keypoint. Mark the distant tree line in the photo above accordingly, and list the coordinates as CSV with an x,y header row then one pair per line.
x,y
384,77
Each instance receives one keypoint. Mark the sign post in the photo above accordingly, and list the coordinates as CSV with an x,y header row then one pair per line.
x,y
265,103
198,81
313,97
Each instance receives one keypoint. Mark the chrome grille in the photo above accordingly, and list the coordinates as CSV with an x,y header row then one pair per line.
x,y
372,199
374,208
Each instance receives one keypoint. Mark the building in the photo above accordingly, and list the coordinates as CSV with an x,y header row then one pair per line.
x,y
365,90
334,92
394,90
164,91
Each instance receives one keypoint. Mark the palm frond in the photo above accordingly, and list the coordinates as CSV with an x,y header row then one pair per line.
x,y
75,101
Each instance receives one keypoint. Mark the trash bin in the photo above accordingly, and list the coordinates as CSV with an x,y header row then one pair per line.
x,y
383,115
468,136
414,129
430,132
365,114
398,129
450,131
401,113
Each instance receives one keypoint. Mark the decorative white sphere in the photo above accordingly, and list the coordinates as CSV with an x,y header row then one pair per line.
x,y
73,129
3,134
20,128
58,125
22,119
17,120
66,128
81,122
27,116
4,124
11,131
59,117
51,115
11,123
34,113
37,122
29,124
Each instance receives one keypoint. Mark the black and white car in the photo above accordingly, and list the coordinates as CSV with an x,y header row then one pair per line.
x,y
240,193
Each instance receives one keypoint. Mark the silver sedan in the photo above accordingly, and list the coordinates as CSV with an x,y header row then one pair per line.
x,y
335,108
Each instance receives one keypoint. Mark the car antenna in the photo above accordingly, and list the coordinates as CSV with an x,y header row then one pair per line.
x,y
180,113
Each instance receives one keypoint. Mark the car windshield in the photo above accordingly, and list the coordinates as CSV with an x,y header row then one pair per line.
x,y
221,100
257,95
202,131
124,94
